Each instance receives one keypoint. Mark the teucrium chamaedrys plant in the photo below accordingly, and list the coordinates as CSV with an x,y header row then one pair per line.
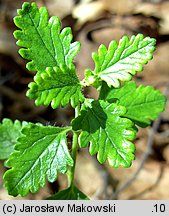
x,y
34,152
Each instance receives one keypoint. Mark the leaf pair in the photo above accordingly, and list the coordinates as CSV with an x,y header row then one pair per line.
x,y
51,53
109,124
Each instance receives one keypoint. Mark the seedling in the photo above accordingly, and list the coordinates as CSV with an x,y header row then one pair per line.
x,y
108,125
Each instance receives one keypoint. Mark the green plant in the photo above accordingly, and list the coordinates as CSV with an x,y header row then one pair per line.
x,y
34,152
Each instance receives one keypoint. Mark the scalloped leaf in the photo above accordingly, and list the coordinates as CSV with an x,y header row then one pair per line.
x,y
108,133
9,133
120,61
57,86
143,103
41,152
71,193
42,40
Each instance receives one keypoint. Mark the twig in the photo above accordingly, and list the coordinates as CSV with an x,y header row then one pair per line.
x,y
159,177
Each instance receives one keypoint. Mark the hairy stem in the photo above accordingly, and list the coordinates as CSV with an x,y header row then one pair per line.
x,y
71,172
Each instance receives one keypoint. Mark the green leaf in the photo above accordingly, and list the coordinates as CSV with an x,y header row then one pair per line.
x,y
56,86
108,133
9,133
42,40
41,152
143,103
71,193
120,61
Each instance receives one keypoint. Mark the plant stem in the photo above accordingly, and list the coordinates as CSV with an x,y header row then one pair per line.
x,y
71,172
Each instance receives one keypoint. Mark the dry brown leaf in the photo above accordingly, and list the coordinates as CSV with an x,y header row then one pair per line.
x,y
87,176
85,12
157,70
151,183
105,35
160,10
121,7
92,11
155,180
60,8
84,59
